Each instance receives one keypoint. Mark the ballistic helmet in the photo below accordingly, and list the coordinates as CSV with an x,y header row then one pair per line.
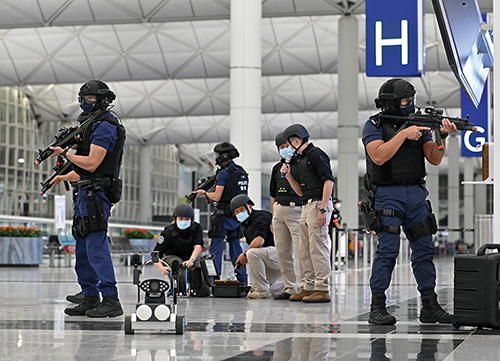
x,y
240,200
296,130
391,93
104,96
280,139
184,210
225,151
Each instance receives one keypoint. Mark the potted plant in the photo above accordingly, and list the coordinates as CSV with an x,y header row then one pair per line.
x,y
140,239
21,245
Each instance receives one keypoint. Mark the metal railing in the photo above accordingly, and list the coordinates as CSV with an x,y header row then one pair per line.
x,y
356,248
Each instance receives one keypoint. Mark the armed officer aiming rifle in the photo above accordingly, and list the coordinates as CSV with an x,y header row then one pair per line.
x,y
231,180
94,176
396,152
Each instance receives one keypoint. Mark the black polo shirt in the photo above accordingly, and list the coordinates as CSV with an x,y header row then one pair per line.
x,y
259,224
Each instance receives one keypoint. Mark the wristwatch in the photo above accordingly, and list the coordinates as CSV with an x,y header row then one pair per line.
x,y
322,210
191,259
445,135
245,254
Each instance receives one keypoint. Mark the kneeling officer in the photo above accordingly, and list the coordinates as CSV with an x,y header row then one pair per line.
x,y
261,253
183,241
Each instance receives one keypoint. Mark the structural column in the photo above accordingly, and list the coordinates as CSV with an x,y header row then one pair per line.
x,y
145,185
245,80
496,130
348,128
453,151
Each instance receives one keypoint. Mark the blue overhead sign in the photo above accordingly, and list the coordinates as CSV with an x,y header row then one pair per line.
x,y
472,141
395,38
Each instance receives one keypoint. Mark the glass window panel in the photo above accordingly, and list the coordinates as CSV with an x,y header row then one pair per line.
x,y
20,137
12,114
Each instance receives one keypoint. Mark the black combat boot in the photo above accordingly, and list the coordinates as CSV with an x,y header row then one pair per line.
x,y
109,307
88,303
378,312
432,312
76,298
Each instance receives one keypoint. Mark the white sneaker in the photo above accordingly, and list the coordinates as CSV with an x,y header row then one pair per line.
x,y
259,294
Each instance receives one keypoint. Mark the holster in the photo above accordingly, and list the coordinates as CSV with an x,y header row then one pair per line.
x,y
94,222
216,224
114,191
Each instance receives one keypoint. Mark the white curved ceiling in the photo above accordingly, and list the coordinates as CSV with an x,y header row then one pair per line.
x,y
168,62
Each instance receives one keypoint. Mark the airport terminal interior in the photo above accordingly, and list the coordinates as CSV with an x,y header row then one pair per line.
x,y
189,74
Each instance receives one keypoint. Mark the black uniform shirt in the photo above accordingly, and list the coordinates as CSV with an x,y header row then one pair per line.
x,y
180,244
279,187
259,224
320,162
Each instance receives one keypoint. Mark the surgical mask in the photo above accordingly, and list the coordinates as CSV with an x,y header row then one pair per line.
x,y
242,217
286,152
183,224
337,205
408,110
87,106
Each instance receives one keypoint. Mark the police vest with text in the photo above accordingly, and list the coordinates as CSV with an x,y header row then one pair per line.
x,y
238,184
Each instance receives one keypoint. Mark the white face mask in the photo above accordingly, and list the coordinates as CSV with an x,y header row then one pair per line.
x,y
337,205
183,224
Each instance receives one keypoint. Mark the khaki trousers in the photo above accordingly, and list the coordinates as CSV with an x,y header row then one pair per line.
x,y
264,267
286,222
315,247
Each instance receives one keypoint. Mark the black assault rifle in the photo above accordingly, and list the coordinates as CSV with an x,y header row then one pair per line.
x,y
203,183
63,166
432,118
65,138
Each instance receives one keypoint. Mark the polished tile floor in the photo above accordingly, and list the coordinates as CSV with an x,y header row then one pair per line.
x,y
34,327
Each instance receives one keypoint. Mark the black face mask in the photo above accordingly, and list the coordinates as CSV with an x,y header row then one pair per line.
x,y
407,110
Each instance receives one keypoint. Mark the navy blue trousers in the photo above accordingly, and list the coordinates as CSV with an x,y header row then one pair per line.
x,y
410,200
231,232
94,266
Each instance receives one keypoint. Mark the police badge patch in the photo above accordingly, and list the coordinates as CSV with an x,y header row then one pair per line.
x,y
161,239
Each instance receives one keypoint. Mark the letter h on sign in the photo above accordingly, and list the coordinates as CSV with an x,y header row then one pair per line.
x,y
394,38
403,42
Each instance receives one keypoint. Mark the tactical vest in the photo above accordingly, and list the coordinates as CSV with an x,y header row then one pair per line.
x,y
112,160
284,191
186,237
238,184
306,176
407,166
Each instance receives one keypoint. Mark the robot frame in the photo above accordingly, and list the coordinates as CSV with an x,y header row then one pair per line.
x,y
154,313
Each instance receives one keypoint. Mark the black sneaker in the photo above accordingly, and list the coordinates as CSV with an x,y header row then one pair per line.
x,y
283,296
109,307
76,298
88,303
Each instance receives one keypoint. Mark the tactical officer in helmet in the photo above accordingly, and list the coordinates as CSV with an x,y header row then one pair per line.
x,y
311,178
231,180
261,253
183,241
96,167
395,164
287,208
